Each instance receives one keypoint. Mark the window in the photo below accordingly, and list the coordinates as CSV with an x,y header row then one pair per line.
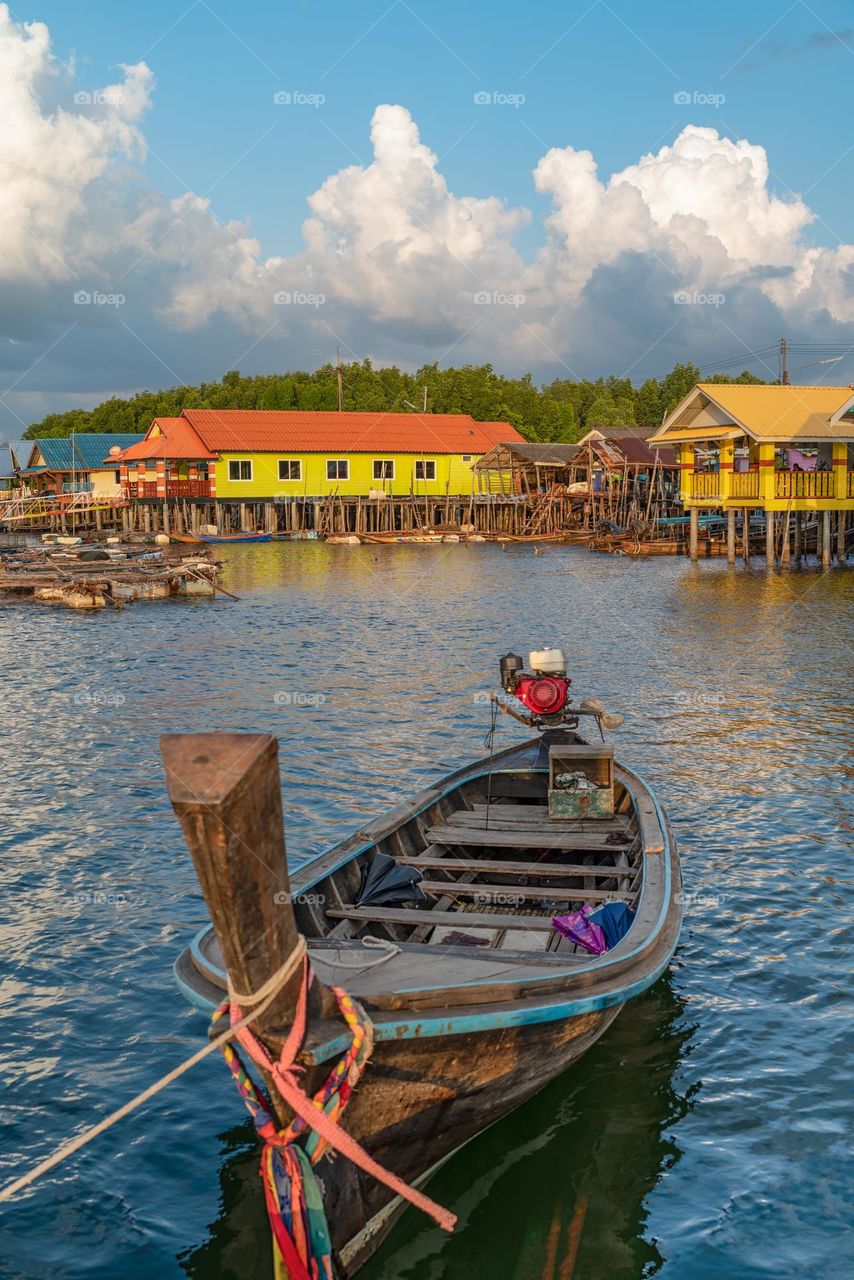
x,y
290,469
425,469
466,457
383,469
337,469
240,469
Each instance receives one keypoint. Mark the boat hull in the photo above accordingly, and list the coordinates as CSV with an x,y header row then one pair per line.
x,y
421,1102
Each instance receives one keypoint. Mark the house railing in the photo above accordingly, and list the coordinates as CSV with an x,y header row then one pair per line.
x,y
706,484
744,484
804,484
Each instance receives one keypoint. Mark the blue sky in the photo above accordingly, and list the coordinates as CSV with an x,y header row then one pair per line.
x,y
600,77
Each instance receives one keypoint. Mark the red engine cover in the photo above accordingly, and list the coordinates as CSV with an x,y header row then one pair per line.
x,y
544,696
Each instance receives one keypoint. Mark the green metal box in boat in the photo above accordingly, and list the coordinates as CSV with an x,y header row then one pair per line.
x,y
581,781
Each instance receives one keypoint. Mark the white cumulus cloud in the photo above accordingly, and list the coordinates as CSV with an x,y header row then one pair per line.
x,y
404,266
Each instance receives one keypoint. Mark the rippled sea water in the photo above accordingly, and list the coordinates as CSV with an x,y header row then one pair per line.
x,y
704,1136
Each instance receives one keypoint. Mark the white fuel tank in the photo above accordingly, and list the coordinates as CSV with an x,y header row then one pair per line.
x,y
548,661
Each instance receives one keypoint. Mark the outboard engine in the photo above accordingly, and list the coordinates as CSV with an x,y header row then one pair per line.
x,y
544,691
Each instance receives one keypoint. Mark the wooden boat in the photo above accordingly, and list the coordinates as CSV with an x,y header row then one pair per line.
x,y
626,545
476,1000
221,537
427,538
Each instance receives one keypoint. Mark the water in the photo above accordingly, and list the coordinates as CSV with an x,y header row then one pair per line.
x,y
703,1137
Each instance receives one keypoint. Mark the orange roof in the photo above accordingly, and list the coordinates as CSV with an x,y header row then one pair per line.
x,y
325,431
174,439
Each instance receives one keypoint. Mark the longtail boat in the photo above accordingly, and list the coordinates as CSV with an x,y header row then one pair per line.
x,y
458,926
221,537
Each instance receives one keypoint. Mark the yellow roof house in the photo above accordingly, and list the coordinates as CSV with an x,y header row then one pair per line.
x,y
777,447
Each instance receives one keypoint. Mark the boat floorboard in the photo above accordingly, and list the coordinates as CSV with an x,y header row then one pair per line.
x,y
433,971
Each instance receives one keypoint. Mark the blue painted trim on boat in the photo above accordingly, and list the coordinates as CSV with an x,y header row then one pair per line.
x,y
191,995
521,1015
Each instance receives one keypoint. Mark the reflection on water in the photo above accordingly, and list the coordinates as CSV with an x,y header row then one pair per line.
x,y
558,1188
567,1174
367,662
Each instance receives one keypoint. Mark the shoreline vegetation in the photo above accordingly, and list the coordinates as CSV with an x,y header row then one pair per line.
x,y
562,410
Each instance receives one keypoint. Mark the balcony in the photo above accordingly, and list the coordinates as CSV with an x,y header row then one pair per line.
x,y
174,489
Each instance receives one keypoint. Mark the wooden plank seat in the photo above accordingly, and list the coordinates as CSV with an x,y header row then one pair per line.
x,y
493,837
528,814
479,920
501,892
485,866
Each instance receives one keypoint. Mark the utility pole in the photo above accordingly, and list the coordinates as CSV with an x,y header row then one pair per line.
x,y
340,380
784,362
425,399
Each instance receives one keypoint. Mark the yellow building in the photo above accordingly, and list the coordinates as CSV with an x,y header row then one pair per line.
x,y
269,454
781,449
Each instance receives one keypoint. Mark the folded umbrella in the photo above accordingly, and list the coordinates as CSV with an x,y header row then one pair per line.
x,y
385,882
577,928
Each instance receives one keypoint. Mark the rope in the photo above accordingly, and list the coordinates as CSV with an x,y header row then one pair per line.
x,y
388,950
278,979
489,743
294,1198
83,1139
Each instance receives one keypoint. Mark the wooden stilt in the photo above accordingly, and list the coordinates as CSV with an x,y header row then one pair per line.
x,y
694,534
770,557
841,521
785,554
825,539
745,534
730,535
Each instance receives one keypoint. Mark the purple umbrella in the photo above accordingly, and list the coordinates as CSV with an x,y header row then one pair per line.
x,y
578,929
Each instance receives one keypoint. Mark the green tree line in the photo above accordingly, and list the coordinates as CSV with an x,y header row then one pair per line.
x,y
562,410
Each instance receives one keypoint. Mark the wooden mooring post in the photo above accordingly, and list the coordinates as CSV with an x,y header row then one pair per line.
x,y
225,789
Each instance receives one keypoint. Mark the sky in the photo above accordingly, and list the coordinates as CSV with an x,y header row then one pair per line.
x,y
574,189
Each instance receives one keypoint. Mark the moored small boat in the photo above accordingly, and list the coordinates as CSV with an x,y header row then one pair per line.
x,y
221,537
458,922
